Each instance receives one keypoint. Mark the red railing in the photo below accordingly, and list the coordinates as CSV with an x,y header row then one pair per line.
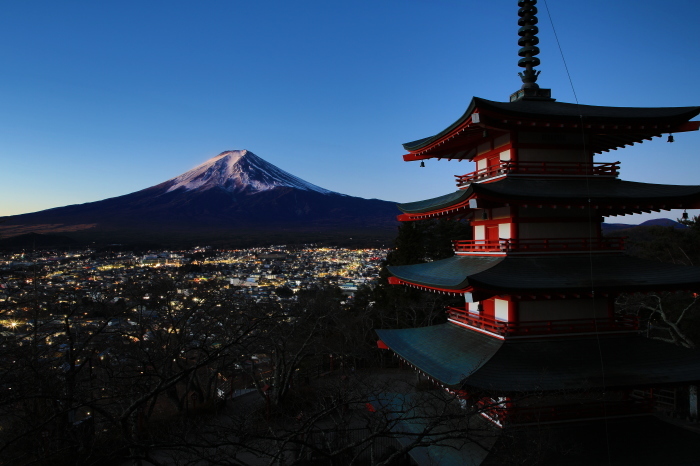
x,y
540,245
540,168
543,327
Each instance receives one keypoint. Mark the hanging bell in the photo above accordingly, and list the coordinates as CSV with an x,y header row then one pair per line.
x,y
685,215
670,138
422,164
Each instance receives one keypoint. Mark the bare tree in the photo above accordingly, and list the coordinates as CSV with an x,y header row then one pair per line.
x,y
360,419
662,316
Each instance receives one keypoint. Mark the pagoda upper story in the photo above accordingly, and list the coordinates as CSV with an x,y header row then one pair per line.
x,y
535,201
536,217
534,167
534,151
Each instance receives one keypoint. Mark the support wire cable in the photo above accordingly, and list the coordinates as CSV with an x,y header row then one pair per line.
x,y
590,233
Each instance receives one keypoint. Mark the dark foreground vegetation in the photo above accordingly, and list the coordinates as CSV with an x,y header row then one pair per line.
x,y
160,377
155,373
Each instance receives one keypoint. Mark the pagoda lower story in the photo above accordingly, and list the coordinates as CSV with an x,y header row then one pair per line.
x,y
558,378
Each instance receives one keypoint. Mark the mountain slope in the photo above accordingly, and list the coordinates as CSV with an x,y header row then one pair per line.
x,y
235,197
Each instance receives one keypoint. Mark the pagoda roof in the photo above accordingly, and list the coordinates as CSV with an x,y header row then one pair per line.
x,y
610,195
608,127
466,359
544,274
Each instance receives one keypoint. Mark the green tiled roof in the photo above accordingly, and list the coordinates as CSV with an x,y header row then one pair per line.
x,y
590,113
562,273
452,273
598,190
586,362
460,357
414,145
562,191
436,202
445,352
565,111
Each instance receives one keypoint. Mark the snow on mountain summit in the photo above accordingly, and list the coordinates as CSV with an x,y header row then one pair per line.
x,y
238,170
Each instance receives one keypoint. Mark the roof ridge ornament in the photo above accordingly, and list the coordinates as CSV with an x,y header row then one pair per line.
x,y
528,41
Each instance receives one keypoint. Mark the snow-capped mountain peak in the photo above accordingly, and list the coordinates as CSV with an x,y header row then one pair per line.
x,y
236,171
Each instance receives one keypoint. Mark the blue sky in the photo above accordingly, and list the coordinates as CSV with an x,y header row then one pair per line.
x,y
99,99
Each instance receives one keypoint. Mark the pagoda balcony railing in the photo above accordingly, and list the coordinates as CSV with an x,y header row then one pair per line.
x,y
506,245
626,323
508,167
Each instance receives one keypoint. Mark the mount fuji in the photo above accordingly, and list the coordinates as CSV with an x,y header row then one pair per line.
x,y
235,198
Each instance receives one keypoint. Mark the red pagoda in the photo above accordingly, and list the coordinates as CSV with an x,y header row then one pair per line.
x,y
537,340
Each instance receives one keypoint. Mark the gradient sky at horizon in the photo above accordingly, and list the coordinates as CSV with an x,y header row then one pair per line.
x,y
101,99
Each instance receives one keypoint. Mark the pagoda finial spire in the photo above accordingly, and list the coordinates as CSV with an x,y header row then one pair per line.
x,y
528,49
528,43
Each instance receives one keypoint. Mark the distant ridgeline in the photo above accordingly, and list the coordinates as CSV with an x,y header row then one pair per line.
x,y
657,222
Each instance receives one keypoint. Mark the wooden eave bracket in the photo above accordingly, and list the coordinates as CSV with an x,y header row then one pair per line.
x,y
411,157
399,281
687,126
528,296
646,131
464,208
